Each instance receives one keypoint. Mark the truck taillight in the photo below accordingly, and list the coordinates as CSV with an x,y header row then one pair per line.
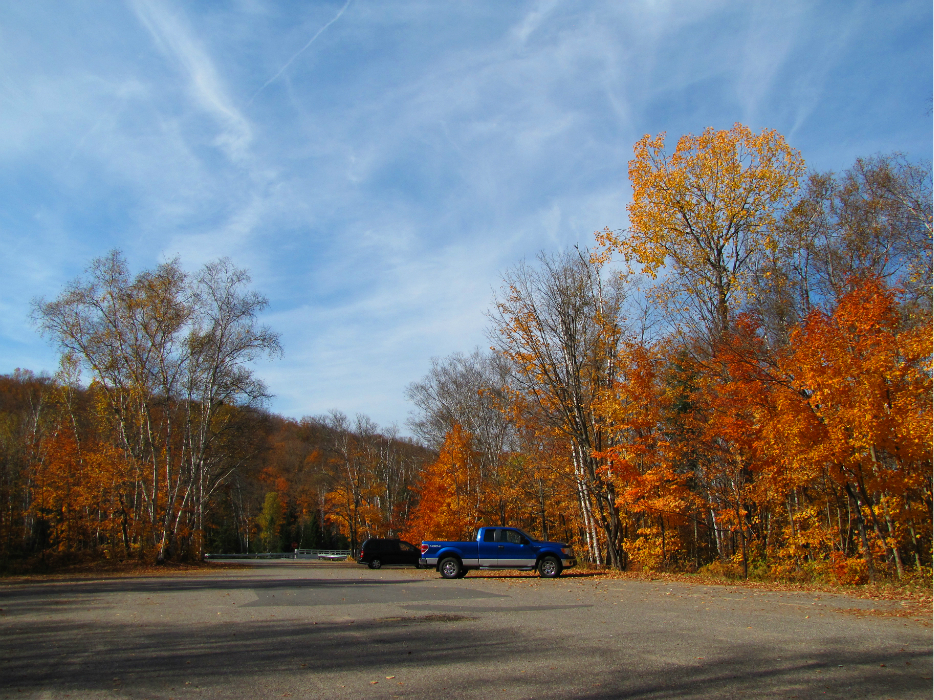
x,y
424,548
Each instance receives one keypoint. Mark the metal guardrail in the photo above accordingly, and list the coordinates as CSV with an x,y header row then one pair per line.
x,y
330,554
326,554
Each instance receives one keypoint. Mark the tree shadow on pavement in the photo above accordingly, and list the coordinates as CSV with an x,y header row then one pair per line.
x,y
427,650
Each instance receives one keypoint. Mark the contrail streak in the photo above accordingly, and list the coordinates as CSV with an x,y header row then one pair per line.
x,y
301,50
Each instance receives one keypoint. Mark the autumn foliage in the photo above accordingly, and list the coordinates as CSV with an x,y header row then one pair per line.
x,y
751,396
779,422
165,451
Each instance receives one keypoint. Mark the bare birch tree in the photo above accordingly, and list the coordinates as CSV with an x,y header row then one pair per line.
x,y
170,352
560,325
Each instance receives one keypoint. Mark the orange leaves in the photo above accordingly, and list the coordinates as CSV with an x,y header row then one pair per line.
x,y
632,411
448,507
868,379
642,459
829,431
273,477
75,491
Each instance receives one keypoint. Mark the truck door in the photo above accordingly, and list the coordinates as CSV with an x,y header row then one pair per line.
x,y
514,549
488,548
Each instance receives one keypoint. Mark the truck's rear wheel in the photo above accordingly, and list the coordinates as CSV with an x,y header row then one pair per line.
x,y
549,567
450,568
375,563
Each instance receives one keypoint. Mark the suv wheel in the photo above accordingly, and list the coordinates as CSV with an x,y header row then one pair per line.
x,y
375,563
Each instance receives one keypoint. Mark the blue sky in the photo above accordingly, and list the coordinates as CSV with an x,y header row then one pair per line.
x,y
377,165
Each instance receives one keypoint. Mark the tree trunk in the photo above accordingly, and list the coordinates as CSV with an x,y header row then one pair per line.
x,y
861,524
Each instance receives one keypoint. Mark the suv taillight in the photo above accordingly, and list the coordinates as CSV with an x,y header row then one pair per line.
x,y
424,549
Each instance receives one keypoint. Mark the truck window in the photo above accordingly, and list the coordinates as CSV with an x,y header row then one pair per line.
x,y
513,537
489,534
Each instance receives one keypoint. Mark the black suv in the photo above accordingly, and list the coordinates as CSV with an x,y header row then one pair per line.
x,y
378,552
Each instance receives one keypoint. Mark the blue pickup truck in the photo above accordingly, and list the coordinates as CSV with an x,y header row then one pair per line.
x,y
497,548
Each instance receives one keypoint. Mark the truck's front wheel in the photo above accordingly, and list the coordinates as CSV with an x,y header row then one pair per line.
x,y
450,568
549,567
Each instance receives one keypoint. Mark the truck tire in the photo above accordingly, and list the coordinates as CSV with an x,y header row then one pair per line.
x,y
375,563
549,567
450,568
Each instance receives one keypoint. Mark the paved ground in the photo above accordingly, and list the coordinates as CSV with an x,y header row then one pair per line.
x,y
294,629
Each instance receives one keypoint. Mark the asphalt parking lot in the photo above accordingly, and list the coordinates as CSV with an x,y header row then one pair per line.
x,y
315,630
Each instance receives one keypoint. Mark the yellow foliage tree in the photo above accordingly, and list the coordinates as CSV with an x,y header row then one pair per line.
x,y
707,210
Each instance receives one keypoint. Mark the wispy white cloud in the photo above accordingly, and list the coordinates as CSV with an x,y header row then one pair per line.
x,y
533,19
175,39
769,36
